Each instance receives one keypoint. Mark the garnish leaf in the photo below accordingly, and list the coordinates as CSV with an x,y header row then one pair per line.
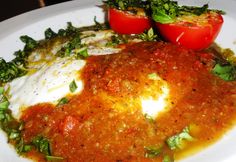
x,y
162,17
14,134
167,158
49,33
164,11
1,90
148,36
4,105
9,71
48,157
62,101
226,72
73,86
125,4
21,147
82,52
30,43
152,152
98,26
153,76
149,118
42,145
176,141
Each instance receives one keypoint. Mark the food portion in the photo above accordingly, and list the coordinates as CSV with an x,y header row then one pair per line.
x,y
91,94
189,26
128,17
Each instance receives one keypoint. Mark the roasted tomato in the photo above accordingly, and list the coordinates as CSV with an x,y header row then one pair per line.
x,y
125,22
193,32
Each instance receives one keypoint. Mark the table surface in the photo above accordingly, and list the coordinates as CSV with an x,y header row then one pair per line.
x,y
11,8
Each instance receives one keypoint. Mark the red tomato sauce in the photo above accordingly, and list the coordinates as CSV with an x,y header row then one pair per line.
x,y
105,122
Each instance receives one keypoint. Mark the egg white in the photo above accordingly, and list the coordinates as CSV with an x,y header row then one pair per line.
x,y
50,78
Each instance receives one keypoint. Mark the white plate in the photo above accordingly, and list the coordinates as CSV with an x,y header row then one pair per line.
x,y
81,13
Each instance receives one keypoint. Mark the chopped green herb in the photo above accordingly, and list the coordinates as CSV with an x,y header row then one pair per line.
x,y
4,105
21,147
185,10
167,158
176,141
20,58
73,44
153,76
166,11
14,134
98,26
124,4
52,158
49,33
1,90
42,145
10,71
82,52
148,36
226,72
62,101
152,152
30,43
149,118
73,86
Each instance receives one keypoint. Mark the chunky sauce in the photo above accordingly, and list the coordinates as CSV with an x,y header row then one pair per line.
x,y
105,122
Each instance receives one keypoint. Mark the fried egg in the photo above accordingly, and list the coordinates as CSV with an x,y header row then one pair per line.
x,y
49,78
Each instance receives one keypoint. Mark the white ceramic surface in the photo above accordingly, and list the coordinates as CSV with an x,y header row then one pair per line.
x,y
82,12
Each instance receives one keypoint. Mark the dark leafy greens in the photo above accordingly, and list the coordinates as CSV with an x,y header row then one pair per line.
x,y
225,72
152,151
17,67
49,34
124,4
11,126
148,36
165,11
73,86
62,101
10,71
176,141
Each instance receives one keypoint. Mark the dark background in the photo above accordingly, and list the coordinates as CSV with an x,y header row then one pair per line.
x,y
10,8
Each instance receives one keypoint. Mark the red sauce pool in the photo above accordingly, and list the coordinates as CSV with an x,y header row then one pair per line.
x,y
105,121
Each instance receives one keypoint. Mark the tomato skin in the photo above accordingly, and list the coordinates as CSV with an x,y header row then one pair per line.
x,y
123,22
194,36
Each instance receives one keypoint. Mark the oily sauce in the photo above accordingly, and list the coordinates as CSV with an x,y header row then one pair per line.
x,y
105,121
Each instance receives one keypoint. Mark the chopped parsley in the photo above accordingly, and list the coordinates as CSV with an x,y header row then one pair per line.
x,y
49,33
30,43
167,158
52,158
153,76
10,71
148,36
73,86
11,126
62,101
225,72
166,11
176,141
152,152
149,118
42,145
125,4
